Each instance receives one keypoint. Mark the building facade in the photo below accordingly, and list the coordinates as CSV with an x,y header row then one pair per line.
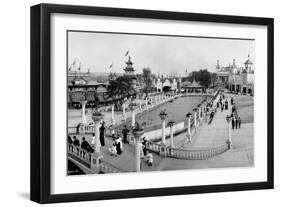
x,y
237,79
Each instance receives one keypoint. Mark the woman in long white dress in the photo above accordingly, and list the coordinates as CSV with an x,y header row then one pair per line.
x,y
93,139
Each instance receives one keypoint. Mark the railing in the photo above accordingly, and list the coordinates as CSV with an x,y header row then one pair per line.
x,y
72,130
80,153
154,147
196,154
89,129
85,158
188,154
106,167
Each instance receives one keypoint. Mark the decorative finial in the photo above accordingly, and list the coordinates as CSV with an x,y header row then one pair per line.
x,y
139,127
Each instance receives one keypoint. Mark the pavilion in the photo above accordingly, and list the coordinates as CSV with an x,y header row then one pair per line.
x,y
192,87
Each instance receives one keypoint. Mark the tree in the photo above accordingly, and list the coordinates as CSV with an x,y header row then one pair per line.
x,y
121,87
204,77
147,78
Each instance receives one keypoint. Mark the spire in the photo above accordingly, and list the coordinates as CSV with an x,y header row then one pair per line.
x,y
129,69
218,64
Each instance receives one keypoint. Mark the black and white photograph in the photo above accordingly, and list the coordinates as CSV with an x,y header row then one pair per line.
x,y
152,102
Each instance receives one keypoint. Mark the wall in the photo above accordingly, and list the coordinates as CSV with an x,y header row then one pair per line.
x,y
157,134
14,104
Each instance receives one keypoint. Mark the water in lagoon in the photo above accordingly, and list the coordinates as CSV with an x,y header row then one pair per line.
x,y
176,110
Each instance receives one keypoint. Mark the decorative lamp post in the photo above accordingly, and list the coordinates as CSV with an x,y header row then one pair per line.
x,y
195,118
146,103
124,111
171,125
229,140
163,114
188,116
132,106
199,113
138,132
83,116
97,117
112,116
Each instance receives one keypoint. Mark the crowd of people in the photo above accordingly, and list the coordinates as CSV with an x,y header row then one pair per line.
x,y
223,104
117,146
84,144
236,120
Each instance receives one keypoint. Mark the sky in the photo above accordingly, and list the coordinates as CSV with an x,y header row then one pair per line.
x,y
162,54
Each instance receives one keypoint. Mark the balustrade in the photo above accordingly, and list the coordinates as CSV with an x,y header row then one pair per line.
x,y
191,154
86,156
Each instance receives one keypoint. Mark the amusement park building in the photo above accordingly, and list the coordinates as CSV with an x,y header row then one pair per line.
x,y
237,79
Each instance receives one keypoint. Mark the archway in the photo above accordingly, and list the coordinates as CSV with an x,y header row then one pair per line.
x,y
166,88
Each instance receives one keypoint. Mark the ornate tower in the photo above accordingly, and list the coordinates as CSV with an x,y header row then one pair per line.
x,y
218,65
249,65
234,67
129,69
130,73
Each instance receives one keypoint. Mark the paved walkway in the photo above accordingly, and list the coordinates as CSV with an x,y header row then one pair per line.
x,y
207,136
211,135
125,161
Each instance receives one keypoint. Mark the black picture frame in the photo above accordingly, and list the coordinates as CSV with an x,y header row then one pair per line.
x,y
41,98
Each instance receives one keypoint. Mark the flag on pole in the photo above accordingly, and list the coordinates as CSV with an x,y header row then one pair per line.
x,y
127,53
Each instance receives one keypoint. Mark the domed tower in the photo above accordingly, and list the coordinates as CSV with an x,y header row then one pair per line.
x,y
234,67
249,65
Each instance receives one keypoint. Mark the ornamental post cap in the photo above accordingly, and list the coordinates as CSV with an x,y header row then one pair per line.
x,y
171,123
138,130
132,105
228,118
163,112
97,116
97,113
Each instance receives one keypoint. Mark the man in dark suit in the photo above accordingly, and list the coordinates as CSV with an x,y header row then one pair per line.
x,y
233,122
84,144
125,132
76,141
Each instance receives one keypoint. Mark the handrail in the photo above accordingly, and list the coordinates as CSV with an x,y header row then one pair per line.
x,y
86,157
82,154
189,154
106,167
